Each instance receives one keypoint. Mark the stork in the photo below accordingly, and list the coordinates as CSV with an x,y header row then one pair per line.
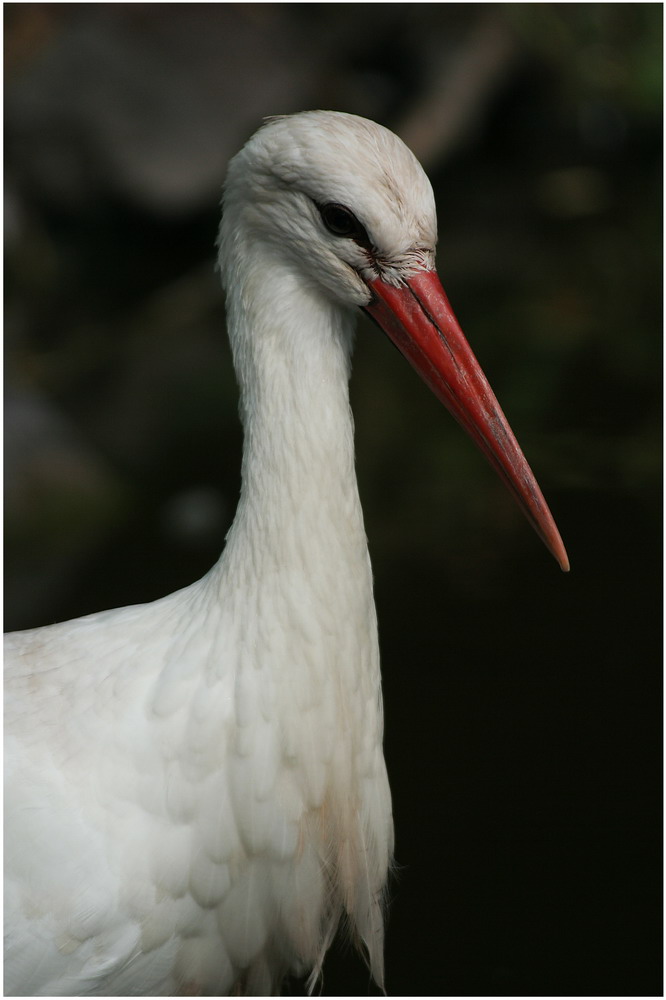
x,y
196,790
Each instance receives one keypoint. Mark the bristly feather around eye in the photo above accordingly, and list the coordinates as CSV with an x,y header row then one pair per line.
x,y
397,268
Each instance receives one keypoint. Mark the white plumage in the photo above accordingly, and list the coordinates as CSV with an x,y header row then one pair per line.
x,y
196,791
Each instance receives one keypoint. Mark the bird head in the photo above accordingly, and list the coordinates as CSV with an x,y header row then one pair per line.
x,y
340,195
349,207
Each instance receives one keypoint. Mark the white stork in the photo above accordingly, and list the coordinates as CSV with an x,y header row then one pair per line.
x,y
196,791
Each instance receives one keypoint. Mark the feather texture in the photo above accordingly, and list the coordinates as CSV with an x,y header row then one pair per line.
x,y
196,794
196,791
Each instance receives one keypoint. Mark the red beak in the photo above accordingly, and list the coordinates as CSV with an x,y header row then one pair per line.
x,y
420,322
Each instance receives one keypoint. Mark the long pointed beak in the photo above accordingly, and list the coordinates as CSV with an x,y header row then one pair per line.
x,y
420,322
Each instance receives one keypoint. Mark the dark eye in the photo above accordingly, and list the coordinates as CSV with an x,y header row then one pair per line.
x,y
340,221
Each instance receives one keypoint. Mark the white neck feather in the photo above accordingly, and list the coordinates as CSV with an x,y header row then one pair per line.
x,y
299,508
296,567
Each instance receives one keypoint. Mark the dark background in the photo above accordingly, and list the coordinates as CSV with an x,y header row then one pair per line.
x,y
523,707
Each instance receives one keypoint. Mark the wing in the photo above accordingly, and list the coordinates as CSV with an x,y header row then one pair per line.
x,y
77,878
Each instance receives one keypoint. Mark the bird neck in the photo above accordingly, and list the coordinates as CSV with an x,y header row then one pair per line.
x,y
299,499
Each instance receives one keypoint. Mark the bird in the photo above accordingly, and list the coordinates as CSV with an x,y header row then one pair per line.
x,y
196,795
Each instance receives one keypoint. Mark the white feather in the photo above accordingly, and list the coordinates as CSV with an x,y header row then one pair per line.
x,y
196,792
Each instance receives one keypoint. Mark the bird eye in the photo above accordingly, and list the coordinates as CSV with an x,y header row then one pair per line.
x,y
340,221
